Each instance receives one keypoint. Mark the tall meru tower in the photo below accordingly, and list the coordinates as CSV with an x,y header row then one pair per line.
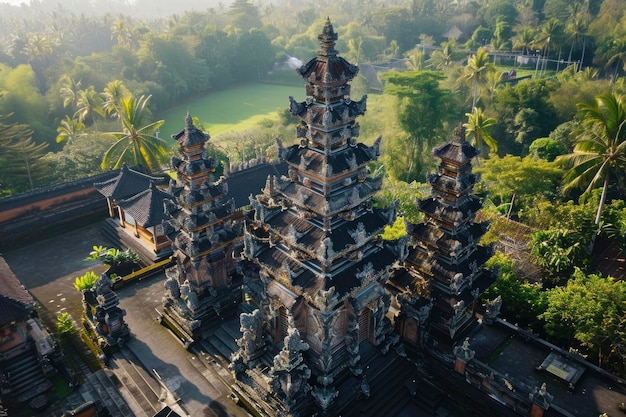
x,y
314,264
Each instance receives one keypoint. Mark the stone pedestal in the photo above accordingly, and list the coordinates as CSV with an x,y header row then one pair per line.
x,y
463,355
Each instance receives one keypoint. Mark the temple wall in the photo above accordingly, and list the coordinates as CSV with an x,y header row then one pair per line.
x,y
43,210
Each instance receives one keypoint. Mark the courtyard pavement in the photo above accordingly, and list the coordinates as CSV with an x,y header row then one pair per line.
x,y
48,269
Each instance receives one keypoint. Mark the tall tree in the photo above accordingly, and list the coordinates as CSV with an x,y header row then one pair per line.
x,y
121,32
475,72
137,143
550,33
478,128
20,165
600,152
113,94
89,103
421,113
69,90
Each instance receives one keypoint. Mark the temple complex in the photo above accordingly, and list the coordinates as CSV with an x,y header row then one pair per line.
x,y
314,264
203,228
446,253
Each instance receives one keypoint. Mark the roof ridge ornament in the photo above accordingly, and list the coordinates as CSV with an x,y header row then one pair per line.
x,y
327,39
459,133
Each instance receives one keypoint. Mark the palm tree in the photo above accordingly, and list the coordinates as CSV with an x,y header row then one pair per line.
x,y
616,54
477,127
69,129
443,58
550,31
600,151
577,28
525,40
88,103
476,71
113,94
122,33
69,90
136,143
414,60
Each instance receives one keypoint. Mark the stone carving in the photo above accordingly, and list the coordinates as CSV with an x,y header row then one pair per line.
x,y
541,397
251,342
359,234
295,108
326,299
463,352
492,309
367,274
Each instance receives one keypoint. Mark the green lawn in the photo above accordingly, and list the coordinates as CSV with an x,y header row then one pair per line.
x,y
237,108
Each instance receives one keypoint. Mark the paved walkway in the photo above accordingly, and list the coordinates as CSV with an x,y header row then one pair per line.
x,y
48,268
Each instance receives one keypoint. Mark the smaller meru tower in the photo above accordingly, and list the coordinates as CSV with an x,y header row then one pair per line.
x,y
205,234
314,264
446,252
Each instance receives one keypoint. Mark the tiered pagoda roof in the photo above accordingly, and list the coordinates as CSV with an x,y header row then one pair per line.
x,y
446,251
205,233
314,236
199,218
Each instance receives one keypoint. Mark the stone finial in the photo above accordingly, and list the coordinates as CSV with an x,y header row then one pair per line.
x,y
327,39
463,352
541,397
459,133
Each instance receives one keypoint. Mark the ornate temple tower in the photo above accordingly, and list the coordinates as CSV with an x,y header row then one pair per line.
x,y
446,253
204,234
314,265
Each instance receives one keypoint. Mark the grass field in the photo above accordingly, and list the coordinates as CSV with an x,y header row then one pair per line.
x,y
237,108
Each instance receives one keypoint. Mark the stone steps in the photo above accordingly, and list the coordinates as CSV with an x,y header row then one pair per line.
x,y
98,387
139,387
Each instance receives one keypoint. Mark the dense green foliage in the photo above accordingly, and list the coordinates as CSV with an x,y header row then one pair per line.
x,y
86,281
522,302
599,326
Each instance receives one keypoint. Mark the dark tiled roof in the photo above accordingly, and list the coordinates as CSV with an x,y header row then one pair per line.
x,y
127,183
147,206
447,242
345,160
458,150
15,301
459,185
434,207
190,136
242,184
327,67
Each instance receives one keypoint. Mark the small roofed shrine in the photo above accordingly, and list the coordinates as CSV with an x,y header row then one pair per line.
x,y
314,264
136,212
205,232
29,354
446,253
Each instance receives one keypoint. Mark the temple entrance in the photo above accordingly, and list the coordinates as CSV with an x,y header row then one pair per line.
x,y
282,324
410,331
365,325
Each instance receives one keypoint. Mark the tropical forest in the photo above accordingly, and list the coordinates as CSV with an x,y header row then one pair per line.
x,y
538,85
